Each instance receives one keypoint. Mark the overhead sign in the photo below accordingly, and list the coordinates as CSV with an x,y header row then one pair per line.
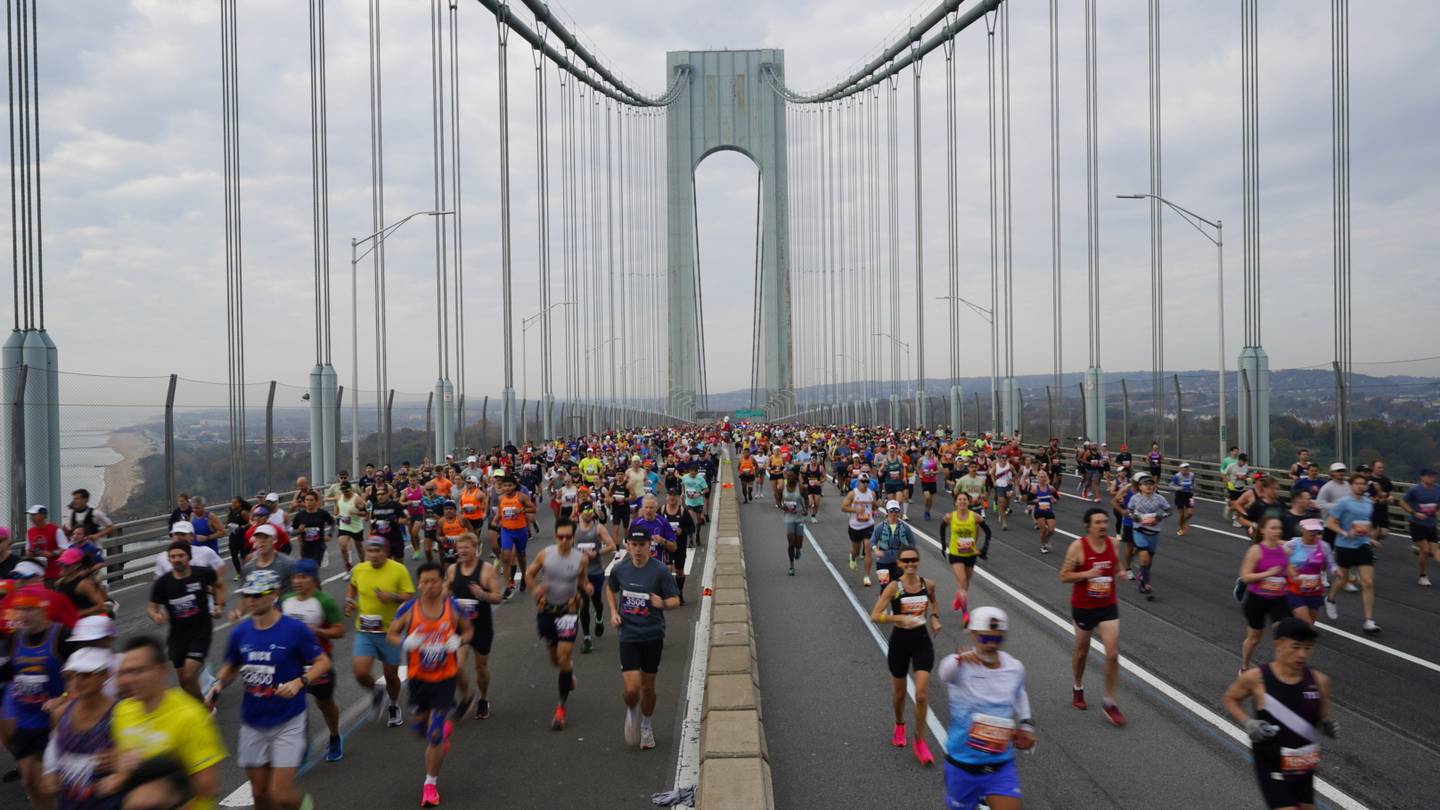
x,y
750,413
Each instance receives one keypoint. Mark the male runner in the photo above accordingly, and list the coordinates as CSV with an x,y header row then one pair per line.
x,y
1090,567
37,653
1420,503
313,525
640,590
319,611
557,576
859,504
188,599
1349,518
476,589
514,512
378,586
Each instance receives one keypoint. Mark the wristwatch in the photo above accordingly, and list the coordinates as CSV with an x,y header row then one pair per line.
x,y
305,681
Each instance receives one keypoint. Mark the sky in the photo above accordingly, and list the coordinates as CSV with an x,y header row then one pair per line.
x,y
134,239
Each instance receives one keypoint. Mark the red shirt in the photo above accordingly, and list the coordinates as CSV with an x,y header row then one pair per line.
x,y
282,539
1096,592
45,540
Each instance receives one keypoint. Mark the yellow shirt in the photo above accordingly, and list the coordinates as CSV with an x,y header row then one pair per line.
x,y
180,727
373,615
590,468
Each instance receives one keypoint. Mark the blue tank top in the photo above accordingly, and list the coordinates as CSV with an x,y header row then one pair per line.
x,y
77,767
204,529
37,678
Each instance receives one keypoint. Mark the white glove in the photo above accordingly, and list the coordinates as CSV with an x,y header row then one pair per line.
x,y
452,643
412,642
1259,730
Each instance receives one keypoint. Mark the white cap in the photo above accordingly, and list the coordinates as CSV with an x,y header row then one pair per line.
x,y
89,659
37,509
266,528
93,628
472,479
892,506
472,459
182,527
988,618
1337,466
274,496
1184,464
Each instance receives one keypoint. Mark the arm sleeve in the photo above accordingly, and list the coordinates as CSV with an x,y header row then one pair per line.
x,y
949,670
1022,698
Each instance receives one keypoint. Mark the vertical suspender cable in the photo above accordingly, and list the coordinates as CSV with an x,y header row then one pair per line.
x,y
459,302
1055,198
991,127
437,170
951,244
377,221
233,255
1340,152
894,235
508,396
542,201
919,252
610,244
38,287
16,272
1157,223
1092,168
830,251
1008,335
27,243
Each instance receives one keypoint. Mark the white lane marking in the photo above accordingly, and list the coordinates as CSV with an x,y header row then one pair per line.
x,y
687,761
241,797
1330,791
936,730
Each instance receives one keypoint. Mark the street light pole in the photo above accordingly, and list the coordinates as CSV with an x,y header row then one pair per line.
x,y
355,256
1195,220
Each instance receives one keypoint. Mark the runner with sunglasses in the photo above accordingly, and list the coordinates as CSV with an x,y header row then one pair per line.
x,y
908,602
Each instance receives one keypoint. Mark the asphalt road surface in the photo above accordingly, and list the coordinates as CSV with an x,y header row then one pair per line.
x,y
826,688
513,755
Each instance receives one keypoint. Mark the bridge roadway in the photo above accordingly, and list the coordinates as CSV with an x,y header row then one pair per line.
x,y
826,688
513,756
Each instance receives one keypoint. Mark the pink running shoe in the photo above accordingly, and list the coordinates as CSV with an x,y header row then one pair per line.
x,y
922,751
898,738
955,604
430,796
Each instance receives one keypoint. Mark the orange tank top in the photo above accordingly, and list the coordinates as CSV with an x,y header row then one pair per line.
x,y
512,512
452,528
472,504
431,662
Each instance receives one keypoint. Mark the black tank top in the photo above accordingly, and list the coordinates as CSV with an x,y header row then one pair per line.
x,y
1302,698
70,588
477,611
913,603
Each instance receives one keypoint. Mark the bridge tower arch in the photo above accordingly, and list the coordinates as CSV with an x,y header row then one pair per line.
x,y
726,103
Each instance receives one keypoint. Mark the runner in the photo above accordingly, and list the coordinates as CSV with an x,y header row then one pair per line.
x,y
1307,560
37,654
81,746
378,586
1291,702
1045,498
1090,567
313,525
908,602
792,505
1146,509
350,512
475,586
859,504
387,520
887,539
1237,478
1349,518
893,474
514,511
747,466
319,612
1420,503
558,577
640,590
812,475
594,540
684,525
1183,482
1004,474
276,657
153,721
777,474
188,599
989,717
429,629
696,491
929,474
963,546
973,485
1263,572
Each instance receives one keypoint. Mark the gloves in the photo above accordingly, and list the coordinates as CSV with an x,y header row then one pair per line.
x,y
412,642
1259,730
452,643
1331,728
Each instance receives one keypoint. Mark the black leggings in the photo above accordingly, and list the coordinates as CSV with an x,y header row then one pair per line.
x,y
597,582
237,550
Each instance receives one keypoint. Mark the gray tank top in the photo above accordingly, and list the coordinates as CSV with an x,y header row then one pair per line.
x,y
560,573
791,503
589,540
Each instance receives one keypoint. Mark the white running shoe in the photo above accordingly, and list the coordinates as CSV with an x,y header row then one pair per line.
x,y
647,738
1331,611
1370,626
1351,587
1425,580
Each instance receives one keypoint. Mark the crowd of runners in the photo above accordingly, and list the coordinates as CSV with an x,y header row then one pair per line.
x,y
1307,546
429,552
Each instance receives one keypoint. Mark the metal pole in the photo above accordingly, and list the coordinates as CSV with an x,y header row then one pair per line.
x,y
389,424
17,455
429,420
919,255
1124,412
1220,328
1049,411
1179,420
355,360
339,404
270,437
170,437
508,394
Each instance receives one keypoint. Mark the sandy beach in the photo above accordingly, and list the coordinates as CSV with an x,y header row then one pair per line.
x,y
122,477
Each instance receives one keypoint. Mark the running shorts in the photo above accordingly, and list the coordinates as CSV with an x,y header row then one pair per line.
x,y
1145,540
1091,618
313,551
1419,533
554,628
816,490
183,648
1354,557
967,560
641,655
1183,499
1044,514
481,640
1260,612
892,487
30,742
860,535
910,648
1312,602
375,645
425,696
279,746
928,486
514,538
322,691
1281,791
966,787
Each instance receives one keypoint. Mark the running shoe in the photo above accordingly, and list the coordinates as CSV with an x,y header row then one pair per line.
x,y
922,751
1112,713
1130,575
416,555
927,515
1370,626
647,737
586,646
482,709
430,796
898,738
1332,612
1425,580
557,722
632,727
394,720
1045,549
792,570
509,592
1351,587
377,700
599,625
852,563
1077,699
336,751
462,708
867,582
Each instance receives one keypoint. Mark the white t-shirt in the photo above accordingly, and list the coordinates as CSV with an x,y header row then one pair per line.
x,y
202,556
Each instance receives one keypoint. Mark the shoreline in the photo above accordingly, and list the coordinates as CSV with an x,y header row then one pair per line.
x,y
123,477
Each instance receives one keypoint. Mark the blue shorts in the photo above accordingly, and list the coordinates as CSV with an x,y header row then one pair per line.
x,y
965,790
1148,542
375,645
514,538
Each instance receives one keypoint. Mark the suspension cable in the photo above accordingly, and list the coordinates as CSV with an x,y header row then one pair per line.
x,y
458,228
1055,289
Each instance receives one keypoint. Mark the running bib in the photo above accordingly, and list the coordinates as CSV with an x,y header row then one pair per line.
x,y
259,679
184,607
964,545
509,512
470,508
1428,509
432,656
1300,760
791,506
565,625
382,526
1273,586
1043,504
1100,587
29,688
635,603
468,607
1309,583
913,605
344,520
587,547
312,534
430,522
990,734
370,622
1148,519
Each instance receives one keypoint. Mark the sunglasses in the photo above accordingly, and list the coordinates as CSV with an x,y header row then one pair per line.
x,y
988,639
910,561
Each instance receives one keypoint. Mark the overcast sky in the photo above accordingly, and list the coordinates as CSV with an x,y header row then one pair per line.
x,y
133,208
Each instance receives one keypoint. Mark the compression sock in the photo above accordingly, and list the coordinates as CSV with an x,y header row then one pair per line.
x,y
567,683
1145,575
